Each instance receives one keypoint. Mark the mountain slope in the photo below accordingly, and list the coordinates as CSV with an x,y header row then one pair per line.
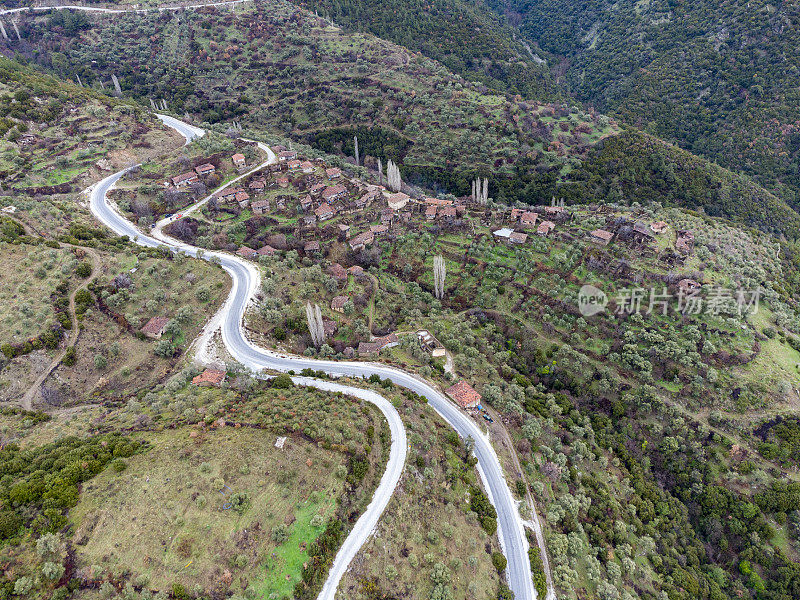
x,y
272,66
719,78
464,36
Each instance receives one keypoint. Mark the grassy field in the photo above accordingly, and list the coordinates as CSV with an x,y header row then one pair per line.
x,y
108,356
30,275
167,517
427,525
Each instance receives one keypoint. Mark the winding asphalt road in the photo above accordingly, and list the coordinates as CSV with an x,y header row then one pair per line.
x,y
246,281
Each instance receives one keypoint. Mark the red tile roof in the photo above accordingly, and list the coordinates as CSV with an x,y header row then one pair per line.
x,y
464,395
155,326
334,191
209,377
205,168
190,176
246,252
337,271
602,234
338,302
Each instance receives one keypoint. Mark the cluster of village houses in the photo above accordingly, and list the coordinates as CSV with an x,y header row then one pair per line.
x,y
325,194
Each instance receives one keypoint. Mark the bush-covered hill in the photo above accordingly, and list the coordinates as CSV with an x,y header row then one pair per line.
x,y
719,78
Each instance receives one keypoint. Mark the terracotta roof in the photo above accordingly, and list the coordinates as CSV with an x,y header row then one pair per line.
x,y
333,191
602,234
658,226
518,238
189,176
545,227
323,210
246,252
338,302
337,271
398,200
438,202
242,196
258,204
379,229
362,238
209,377
205,168
369,348
386,340
155,326
258,184
266,250
333,172
464,394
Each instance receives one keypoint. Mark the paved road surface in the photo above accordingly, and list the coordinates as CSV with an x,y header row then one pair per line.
x,y
246,281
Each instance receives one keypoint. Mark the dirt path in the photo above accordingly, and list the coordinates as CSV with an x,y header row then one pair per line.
x,y
28,397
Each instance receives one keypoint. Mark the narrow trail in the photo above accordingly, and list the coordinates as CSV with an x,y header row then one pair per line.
x,y
29,396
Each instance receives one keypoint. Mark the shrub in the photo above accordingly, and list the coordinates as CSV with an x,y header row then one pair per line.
x,y
119,465
69,357
100,362
282,382
83,270
52,570
240,502
280,533
499,561
10,522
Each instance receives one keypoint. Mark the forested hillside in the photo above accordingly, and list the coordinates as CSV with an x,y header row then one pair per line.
x,y
464,36
719,78
271,66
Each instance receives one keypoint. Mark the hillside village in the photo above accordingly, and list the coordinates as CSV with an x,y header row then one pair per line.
x,y
337,227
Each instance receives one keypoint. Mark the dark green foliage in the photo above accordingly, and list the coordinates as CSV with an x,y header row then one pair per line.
x,y
321,554
499,561
480,505
357,468
70,21
69,357
504,592
83,270
463,36
537,569
376,142
282,382
719,78
41,483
